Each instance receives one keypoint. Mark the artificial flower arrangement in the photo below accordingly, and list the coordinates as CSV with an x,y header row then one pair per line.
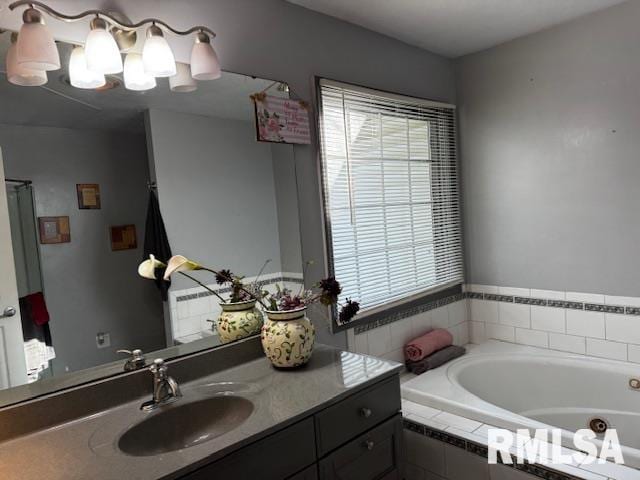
x,y
180,264
327,290
287,335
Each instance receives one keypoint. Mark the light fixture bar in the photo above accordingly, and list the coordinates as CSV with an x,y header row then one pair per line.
x,y
118,23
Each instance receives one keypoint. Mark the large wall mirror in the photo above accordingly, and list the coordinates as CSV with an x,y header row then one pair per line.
x,y
81,170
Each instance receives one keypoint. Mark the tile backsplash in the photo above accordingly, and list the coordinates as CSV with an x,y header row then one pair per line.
x,y
585,323
598,325
388,340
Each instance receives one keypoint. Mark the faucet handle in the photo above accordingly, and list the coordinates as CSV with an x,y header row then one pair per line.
x,y
158,367
136,361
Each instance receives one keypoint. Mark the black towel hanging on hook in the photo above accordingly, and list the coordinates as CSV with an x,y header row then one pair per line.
x,y
156,241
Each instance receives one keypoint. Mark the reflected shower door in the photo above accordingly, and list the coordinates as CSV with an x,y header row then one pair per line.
x,y
13,367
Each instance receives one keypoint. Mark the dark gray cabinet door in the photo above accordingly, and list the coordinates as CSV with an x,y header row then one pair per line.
x,y
376,455
273,458
356,414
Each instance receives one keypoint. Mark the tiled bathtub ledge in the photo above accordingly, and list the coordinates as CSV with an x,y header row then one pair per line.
x,y
471,436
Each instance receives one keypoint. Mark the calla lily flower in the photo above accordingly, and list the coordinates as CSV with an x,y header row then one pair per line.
x,y
147,269
178,263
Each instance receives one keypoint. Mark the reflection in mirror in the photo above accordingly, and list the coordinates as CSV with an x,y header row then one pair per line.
x,y
83,170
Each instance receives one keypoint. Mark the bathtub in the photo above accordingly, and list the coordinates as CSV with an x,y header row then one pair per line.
x,y
514,386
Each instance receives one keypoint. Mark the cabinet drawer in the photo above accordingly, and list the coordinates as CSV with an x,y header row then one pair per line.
x,y
272,458
355,415
376,455
310,473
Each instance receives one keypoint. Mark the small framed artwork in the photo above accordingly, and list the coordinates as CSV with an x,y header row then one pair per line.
x,y
54,230
123,237
88,196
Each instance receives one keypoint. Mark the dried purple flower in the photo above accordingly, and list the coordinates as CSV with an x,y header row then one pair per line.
x,y
223,276
348,311
291,303
330,290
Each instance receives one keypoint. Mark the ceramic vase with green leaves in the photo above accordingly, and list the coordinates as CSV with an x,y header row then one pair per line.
x,y
287,337
238,320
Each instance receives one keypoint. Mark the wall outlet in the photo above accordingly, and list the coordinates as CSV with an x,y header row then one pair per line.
x,y
103,340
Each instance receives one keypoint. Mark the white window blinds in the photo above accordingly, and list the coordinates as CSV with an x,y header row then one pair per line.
x,y
391,193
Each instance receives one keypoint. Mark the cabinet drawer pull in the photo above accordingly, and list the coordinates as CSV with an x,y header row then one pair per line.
x,y
365,412
369,445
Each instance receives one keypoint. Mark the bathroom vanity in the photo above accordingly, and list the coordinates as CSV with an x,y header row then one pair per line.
x,y
338,417
356,438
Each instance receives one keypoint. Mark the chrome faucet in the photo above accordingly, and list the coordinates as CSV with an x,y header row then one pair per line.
x,y
135,361
165,388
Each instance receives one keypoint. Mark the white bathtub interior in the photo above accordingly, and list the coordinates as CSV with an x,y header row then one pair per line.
x,y
515,386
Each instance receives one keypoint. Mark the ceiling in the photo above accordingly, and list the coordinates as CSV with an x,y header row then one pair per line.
x,y
455,27
57,104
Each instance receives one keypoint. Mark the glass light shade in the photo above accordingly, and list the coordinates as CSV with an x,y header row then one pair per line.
x,y
24,77
204,62
102,53
79,75
135,78
182,80
36,49
157,56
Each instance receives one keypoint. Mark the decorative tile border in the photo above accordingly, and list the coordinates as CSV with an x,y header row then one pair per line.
x,y
261,283
409,312
543,302
540,471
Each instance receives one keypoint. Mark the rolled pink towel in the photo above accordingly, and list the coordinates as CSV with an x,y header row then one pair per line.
x,y
420,347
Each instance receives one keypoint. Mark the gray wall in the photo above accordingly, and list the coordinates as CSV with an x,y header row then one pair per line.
x,y
275,39
216,192
284,177
549,139
89,288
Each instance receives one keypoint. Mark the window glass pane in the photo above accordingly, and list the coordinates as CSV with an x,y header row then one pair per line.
x,y
391,195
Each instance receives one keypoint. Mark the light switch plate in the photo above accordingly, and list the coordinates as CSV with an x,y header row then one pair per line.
x,y
103,340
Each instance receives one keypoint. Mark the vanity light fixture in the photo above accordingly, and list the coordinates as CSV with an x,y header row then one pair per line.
x,y
157,56
36,48
204,60
102,52
135,76
109,37
19,75
182,81
79,75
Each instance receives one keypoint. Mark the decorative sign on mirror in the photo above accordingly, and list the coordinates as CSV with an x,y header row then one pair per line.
x,y
225,200
281,120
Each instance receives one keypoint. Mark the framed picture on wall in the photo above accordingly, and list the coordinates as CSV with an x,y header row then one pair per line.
x,y
123,237
88,196
54,230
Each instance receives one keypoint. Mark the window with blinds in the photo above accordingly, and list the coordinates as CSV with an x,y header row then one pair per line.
x,y
391,194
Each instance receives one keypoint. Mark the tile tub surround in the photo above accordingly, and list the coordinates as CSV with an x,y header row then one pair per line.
x,y
599,325
388,340
443,446
280,398
192,308
440,400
